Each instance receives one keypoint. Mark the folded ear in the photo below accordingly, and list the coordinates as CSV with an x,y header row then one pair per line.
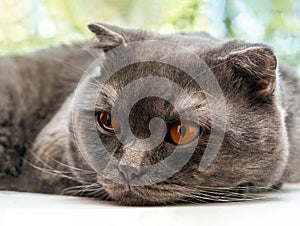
x,y
108,36
257,64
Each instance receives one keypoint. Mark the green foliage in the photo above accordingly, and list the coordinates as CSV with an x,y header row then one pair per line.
x,y
31,24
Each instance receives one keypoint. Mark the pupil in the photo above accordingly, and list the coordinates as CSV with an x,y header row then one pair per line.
x,y
108,120
182,131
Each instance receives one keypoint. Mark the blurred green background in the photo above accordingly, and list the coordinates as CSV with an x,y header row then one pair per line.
x,y
27,25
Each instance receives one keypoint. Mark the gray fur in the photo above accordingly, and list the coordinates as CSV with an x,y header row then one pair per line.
x,y
38,151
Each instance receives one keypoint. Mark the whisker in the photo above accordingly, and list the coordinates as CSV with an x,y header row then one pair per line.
x,y
71,167
87,48
54,172
67,63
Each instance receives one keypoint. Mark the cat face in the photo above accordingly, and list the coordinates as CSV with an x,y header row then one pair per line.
x,y
154,119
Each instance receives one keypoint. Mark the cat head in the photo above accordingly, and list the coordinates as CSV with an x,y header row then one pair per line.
x,y
164,110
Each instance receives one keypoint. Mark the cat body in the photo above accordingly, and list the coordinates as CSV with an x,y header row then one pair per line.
x,y
32,89
40,133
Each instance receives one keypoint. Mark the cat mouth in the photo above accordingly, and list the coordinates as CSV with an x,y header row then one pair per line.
x,y
130,195
169,194
130,198
125,194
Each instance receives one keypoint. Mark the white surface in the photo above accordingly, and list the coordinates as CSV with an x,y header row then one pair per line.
x,y
283,208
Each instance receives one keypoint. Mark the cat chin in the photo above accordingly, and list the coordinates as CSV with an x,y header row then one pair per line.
x,y
132,198
134,195
126,195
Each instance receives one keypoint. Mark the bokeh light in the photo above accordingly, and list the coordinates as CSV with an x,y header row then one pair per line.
x,y
27,25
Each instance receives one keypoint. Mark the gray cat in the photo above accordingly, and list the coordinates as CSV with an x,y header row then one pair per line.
x,y
50,130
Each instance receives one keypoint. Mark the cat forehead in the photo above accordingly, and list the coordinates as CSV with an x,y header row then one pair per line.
x,y
146,79
109,95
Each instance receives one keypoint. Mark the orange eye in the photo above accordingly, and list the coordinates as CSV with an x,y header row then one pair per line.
x,y
108,122
184,133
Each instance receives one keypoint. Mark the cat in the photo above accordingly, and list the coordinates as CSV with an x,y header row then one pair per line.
x,y
53,135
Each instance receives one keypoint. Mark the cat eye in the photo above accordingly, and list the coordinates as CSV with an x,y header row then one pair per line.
x,y
108,122
184,132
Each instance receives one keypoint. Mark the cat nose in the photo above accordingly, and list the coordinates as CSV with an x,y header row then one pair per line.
x,y
130,173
